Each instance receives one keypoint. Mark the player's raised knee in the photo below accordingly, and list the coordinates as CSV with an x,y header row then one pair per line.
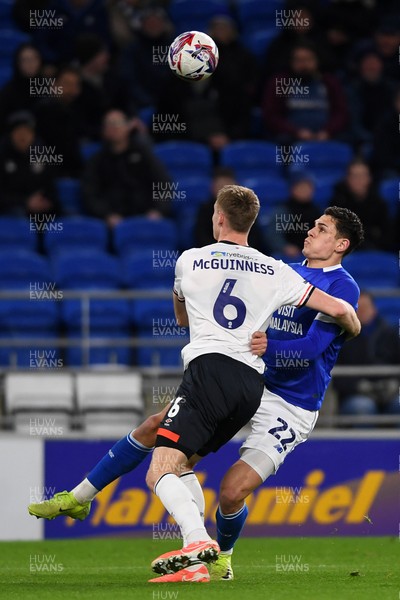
x,y
231,498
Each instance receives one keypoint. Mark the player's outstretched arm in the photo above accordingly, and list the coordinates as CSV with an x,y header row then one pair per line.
x,y
339,309
181,315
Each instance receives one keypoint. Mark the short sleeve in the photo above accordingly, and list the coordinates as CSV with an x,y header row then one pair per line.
x,y
294,289
345,289
178,280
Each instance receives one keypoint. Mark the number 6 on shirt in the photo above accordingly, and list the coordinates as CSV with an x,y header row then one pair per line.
x,y
225,298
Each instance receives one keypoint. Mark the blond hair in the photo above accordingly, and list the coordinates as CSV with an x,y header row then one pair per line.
x,y
240,205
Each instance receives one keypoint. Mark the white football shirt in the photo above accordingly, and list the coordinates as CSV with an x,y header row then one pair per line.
x,y
231,291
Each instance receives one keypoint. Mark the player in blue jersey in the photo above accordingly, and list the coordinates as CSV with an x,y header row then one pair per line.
x,y
292,397
303,346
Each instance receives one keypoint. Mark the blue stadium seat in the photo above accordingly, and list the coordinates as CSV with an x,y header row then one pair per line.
x,y
196,191
27,316
250,158
187,217
108,314
162,356
323,191
34,356
185,158
31,319
373,268
15,233
6,19
5,74
109,318
145,269
188,15
78,233
390,192
21,269
258,14
270,190
140,233
389,309
70,195
88,149
326,159
86,270
149,313
258,41
10,39
146,115
99,355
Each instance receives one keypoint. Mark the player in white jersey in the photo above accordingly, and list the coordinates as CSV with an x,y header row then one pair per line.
x,y
131,450
223,292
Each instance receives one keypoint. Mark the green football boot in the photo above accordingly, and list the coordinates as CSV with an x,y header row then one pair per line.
x,y
63,504
221,569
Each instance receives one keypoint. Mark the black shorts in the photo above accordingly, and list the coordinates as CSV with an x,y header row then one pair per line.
x,y
217,397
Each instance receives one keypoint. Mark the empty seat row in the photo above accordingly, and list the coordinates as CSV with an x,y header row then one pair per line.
x,y
44,279
86,233
250,158
41,277
43,404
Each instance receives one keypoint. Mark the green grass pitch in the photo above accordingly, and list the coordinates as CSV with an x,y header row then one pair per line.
x,y
265,569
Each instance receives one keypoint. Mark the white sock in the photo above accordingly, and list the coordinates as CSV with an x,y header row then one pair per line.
x,y
181,505
193,485
84,491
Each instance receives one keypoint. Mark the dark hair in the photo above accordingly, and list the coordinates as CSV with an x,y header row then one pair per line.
x,y
348,225
356,161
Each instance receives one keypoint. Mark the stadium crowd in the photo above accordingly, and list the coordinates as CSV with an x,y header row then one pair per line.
x,y
98,95
112,56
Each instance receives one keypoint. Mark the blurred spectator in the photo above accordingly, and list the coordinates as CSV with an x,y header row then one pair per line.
x,y
57,44
378,344
358,193
355,19
303,103
118,181
102,88
190,110
386,157
301,28
126,17
18,93
143,63
235,77
369,91
26,185
385,43
61,122
295,217
203,234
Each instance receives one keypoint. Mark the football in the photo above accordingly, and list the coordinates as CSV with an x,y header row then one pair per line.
x,y
193,56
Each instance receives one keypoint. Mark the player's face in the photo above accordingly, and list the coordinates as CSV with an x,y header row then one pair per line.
x,y
322,242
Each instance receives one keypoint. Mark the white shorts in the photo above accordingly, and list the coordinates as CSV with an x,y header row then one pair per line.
x,y
276,429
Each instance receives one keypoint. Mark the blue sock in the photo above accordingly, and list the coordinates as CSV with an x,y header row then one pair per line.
x,y
123,457
229,527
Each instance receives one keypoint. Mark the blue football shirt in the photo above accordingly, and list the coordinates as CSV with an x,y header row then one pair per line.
x,y
294,371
